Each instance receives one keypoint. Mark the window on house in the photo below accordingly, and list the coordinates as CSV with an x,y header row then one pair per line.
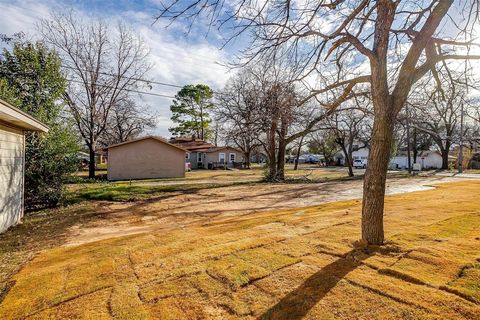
x,y
187,156
199,157
221,157
232,157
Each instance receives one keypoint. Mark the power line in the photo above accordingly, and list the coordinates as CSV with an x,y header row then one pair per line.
x,y
129,90
131,78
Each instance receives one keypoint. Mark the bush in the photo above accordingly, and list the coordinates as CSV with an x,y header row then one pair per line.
x,y
30,78
49,161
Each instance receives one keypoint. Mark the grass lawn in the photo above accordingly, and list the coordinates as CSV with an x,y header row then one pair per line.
x,y
133,192
193,181
284,264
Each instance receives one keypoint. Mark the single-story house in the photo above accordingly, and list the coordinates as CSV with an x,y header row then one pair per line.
x,y
13,124
148,157
204,155
427,159
357,154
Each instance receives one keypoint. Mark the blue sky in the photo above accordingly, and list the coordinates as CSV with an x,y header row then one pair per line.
x,y
178,58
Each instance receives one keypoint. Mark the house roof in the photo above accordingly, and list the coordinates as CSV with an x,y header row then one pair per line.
x,y
215,149
159,139
191,144
197,145
11,115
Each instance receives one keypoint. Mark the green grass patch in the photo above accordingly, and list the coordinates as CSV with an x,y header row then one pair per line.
x,y
134,192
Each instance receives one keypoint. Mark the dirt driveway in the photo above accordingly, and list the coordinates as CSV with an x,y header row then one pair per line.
x,y
178,210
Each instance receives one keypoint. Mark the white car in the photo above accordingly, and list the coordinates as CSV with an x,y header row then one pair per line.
x,y
360,163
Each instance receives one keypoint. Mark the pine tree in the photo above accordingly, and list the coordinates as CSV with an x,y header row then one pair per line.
x,y
190,111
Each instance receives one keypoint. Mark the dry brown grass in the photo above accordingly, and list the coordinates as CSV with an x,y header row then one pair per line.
x,y
283,264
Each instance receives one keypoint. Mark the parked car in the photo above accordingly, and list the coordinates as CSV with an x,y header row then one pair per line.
x,y
313,159
304,158
360,163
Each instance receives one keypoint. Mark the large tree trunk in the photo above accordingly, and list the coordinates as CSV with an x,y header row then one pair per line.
x,y
375,178
445,153
415,149
348,160
272,163
91,163
281,159
409,156
247,158
350,164
282,149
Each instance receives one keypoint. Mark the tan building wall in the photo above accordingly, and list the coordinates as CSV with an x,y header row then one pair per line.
x,y
145,159
11,176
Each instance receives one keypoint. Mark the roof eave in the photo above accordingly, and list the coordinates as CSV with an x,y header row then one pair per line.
x,y
19,118
144,138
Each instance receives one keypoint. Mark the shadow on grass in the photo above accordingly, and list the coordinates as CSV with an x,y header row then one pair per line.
x,y
300,301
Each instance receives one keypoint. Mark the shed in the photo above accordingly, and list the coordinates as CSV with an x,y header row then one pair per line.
x,y
13,125
148,157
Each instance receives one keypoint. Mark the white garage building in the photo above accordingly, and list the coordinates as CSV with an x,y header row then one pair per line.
x,y
427,159
13,124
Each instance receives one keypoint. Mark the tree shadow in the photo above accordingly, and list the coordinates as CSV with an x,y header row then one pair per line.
x,y
300,301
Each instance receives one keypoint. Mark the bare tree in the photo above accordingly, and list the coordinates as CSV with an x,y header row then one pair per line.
x,y
127,121
440,119
103,66
238,111
351,132
282,115
277,116
323,142
384,46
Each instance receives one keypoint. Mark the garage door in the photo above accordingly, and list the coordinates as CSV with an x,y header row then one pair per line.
x,y
11,177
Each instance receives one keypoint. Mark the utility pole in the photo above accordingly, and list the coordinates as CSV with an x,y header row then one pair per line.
x,y
460,149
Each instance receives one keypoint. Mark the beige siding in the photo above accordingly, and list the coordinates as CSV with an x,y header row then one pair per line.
x,y
215,156
11,176
145,159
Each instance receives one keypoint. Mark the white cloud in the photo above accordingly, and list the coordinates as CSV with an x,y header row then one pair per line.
x,y
22,15
176,59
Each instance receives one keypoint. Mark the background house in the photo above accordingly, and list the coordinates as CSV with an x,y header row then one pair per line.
x,y
204,155
100,158
428,159
145,158
13,124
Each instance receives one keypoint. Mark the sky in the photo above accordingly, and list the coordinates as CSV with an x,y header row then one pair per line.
x,y
178,58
